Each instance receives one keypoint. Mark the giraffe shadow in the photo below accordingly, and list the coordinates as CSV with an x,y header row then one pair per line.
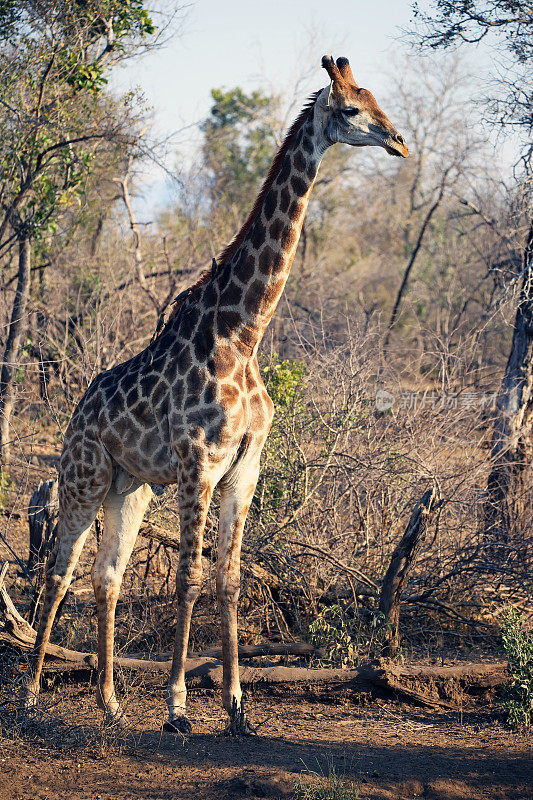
x,y
272,766
436,766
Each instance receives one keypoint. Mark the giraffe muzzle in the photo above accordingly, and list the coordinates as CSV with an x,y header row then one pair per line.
x,y
395,145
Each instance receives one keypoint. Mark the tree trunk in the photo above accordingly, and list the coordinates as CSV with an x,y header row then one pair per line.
x,y
12,346
400,566
509,486
42,519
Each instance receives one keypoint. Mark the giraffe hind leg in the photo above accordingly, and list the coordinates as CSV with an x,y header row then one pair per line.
x,y
80,497
193,507
123,514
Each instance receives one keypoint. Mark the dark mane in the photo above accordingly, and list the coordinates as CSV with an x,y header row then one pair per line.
x,y
230,249
239,237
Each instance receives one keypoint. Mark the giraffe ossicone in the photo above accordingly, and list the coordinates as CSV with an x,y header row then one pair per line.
x,y
192,410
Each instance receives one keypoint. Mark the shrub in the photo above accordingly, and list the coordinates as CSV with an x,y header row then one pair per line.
x,y
279,480
518,693
329,631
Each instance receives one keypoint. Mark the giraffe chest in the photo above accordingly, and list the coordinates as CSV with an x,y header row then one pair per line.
x,y
217,404
196,409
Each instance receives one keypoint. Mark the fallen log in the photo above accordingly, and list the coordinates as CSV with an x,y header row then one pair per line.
x,y
205,670
13,621
270,649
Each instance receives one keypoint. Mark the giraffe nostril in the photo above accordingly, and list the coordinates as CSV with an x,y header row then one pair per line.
x,y
399,138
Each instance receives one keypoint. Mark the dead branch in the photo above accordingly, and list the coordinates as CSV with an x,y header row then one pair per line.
x,y
134,226
150,531
349,570
42,518
414,254
158,534
400,566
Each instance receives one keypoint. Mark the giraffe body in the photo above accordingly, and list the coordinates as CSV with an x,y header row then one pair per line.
x,y
192,409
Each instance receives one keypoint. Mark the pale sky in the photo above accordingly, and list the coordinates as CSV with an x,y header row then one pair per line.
x,y
246,43
225,43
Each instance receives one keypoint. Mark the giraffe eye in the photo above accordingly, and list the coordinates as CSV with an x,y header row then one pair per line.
x,y
350,112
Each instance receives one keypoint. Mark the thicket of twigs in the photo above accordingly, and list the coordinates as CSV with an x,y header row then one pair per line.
x,y
339,481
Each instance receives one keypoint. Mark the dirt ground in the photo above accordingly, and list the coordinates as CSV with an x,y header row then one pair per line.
x,y
392,751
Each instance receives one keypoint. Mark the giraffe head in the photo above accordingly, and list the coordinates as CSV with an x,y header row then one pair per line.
x,y
351,114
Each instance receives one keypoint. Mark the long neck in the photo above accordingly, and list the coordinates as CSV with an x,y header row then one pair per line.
x,y
254,276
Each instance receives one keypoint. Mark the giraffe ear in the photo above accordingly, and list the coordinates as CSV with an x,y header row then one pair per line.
x,y
343,65
331,68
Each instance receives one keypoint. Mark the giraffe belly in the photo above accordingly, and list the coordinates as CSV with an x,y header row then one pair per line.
x,y
157,464
150,472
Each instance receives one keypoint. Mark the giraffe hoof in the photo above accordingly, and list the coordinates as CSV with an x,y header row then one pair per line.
x,y
178,725
28,701
29,697
117,718
239,725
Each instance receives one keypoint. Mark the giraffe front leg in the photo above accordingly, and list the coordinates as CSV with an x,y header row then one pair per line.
x,y
235,498
193,512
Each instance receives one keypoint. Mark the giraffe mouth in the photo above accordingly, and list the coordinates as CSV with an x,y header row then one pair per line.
x,y
396,148
390,140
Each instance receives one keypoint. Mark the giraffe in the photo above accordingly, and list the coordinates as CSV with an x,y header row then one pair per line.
x,y
191,409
